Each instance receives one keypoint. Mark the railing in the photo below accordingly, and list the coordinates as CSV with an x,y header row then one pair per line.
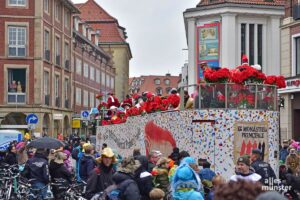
x,y
57,60
67,65
233,96
47,100
66,103
16,98
57,102
47,55
296,11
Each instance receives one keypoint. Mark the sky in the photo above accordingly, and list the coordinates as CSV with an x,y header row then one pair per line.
x,y
156,33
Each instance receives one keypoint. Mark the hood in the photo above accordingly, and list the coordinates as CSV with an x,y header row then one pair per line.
x,y
119,177
143,161
85,158
190,195
54,165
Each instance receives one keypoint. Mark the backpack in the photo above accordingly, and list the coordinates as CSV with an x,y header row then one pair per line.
x,y
115,192
75,153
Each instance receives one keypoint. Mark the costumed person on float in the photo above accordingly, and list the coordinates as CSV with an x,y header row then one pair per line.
x,y
112,101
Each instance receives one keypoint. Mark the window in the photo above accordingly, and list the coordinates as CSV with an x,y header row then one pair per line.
x,y
112,82
46,88
85,70
92,99
46,45
97,76
16,41
92,73
46,83
107,80
57,11
67,19
67,60
297,45
16,86
56,86
167,81
66,91
46,6
78,66
85,98
102,78
159,91
17,2
168,90
57,50
78,96
157,81
252,42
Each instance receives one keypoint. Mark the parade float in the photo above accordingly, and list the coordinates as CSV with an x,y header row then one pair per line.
x,y
234,112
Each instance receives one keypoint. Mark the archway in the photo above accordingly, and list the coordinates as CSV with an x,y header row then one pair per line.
x,y
46,124
57,128
14,118
67,128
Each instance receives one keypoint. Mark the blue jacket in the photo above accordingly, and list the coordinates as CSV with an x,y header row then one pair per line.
x,y
189,195
86,165
37,168
283,154
206,174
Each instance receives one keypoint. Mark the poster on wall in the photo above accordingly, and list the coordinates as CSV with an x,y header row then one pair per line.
x,y
208,46
249,136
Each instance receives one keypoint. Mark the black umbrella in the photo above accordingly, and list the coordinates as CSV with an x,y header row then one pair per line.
x,y
46,143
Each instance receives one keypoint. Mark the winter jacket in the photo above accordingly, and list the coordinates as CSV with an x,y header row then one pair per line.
x,y
37,168
129,191
283,154
99,179
86,165
161,178
58,170
11,158
264,170
206,174
143,178
188,195
68,164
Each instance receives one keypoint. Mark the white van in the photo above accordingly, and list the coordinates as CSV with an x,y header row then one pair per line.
x,y
7,136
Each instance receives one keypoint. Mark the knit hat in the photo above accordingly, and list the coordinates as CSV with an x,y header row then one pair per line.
x,y
162,161
244,159
256,151
129,165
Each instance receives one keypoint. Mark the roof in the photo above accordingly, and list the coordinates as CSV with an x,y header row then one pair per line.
x,y
148,84
98,18
250,2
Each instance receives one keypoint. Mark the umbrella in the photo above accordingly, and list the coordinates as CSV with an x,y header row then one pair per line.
x,y
46,143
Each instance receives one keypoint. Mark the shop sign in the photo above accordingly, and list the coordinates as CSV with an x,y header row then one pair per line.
x,y
293,83
58,116
76,123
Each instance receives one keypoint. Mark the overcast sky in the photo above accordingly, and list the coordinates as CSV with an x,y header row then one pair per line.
x,y
155,31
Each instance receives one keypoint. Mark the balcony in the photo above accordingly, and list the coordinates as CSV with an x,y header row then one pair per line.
x,y
16,98
67,103
57,60
47,100
57,102
296,11
47,55
67,65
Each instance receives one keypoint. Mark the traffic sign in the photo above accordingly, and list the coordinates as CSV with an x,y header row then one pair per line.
x,y
32,119
85,115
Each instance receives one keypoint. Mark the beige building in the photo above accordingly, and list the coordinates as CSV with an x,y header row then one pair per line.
x,y
290,68
112,39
